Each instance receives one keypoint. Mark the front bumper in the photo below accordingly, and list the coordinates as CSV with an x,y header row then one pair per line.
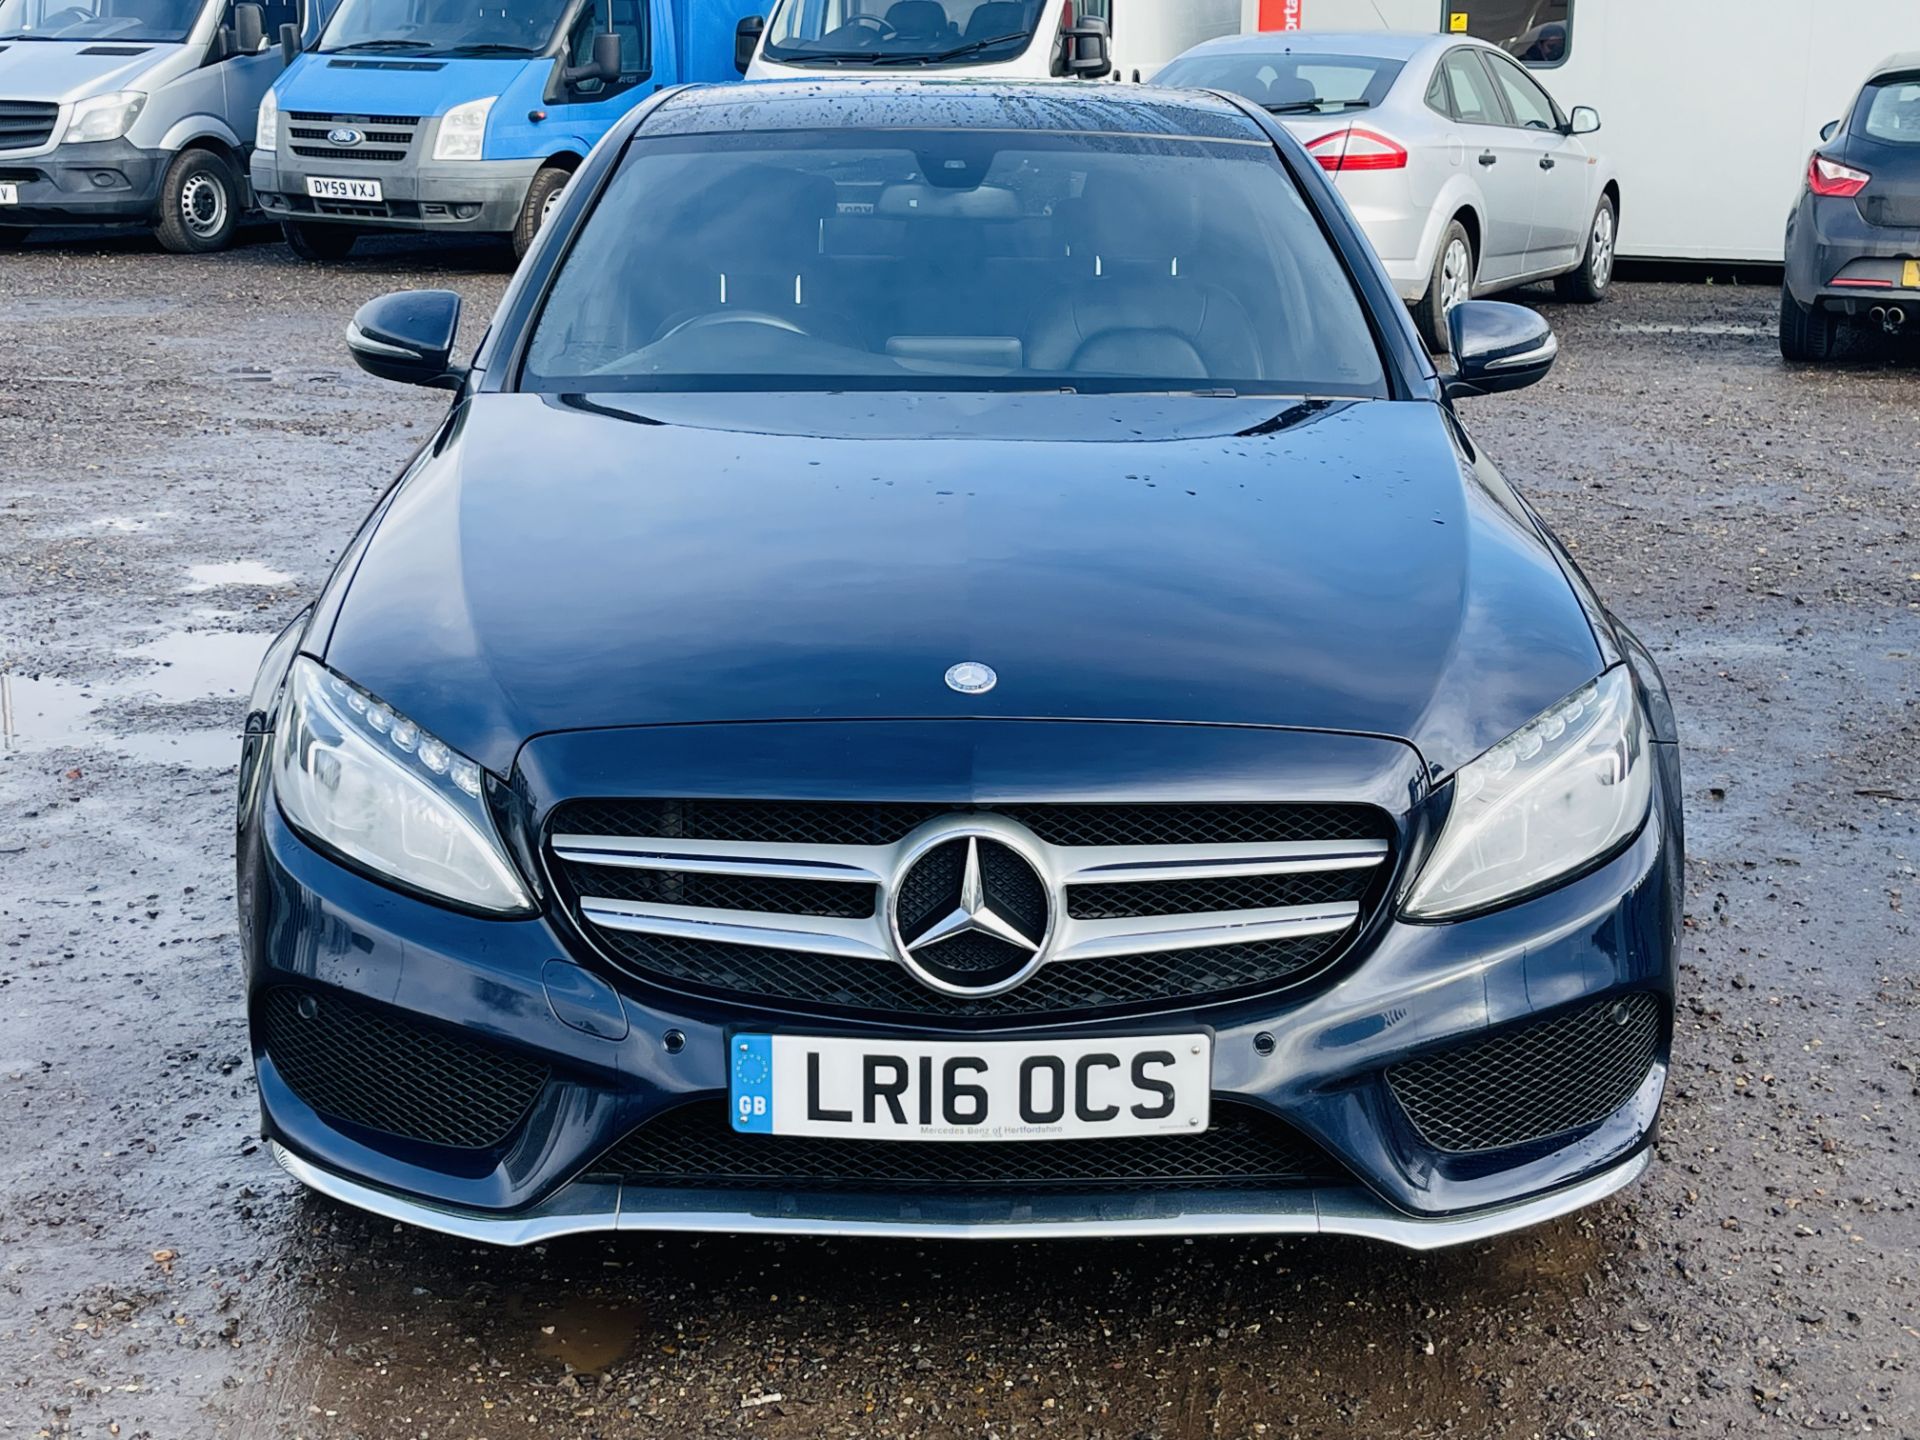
x,y
105,182
627,1052
483,196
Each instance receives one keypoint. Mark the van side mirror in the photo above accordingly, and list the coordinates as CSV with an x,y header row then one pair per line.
x,y
1830,129
746,41
1584,120
604,67
408,336
289,43
1090,49
1498,347
249,29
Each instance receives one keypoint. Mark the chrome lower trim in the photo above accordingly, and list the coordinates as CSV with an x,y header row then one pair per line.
x,y
585,1207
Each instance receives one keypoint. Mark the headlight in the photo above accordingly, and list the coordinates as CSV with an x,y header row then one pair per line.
x,y
1559,792
104,117
462,131
266,129
371,784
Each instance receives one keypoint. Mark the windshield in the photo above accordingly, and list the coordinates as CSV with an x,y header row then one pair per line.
x,y
1893,110
888,32
159,22
1289,84
944,260
444,27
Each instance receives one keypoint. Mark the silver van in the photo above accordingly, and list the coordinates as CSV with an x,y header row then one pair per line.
x,y
137,110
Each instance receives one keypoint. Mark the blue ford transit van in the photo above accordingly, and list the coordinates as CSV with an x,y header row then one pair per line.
x,y
466,116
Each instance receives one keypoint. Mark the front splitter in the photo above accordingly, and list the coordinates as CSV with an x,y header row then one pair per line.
x,y
587,1207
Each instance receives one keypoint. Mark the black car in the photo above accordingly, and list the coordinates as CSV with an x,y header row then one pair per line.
x,y
1853,240
952,670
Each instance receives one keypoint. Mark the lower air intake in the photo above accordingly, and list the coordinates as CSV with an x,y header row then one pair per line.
x,y
695,1147
350,1061
1533,1080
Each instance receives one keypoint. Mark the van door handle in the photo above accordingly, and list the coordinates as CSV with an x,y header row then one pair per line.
x,y
1546,162
1489,158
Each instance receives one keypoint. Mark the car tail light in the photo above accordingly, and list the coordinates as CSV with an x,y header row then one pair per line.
x,y
1830,177
1357,148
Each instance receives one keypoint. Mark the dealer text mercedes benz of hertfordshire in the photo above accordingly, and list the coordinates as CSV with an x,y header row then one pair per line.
x,y
952,670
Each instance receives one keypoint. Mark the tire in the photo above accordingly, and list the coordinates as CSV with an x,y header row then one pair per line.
x,y
1807,332
1589,284
200,203
1450,283
542,196
319,243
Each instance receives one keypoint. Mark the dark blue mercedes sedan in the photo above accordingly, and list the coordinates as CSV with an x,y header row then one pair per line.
x,y
952,671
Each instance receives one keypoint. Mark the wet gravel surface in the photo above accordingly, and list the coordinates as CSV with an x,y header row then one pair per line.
x,y
184,447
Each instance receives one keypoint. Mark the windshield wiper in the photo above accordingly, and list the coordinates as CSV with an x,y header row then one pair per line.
x,y
836,57
488,49
377,45
1303,107
972,47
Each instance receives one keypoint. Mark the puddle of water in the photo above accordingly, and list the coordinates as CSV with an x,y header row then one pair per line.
x,y
37,714
587,1336
237,572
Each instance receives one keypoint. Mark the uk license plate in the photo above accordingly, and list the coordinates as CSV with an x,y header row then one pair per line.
x,y
367,192
9,194
1910,275
971,1090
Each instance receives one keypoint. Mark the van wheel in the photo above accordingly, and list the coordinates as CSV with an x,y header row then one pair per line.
x,y
543,198
1589,283
199,203
1450,283
319,243
1807,332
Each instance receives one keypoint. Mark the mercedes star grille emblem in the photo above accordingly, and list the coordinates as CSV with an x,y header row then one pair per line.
x,y
970,911
972,678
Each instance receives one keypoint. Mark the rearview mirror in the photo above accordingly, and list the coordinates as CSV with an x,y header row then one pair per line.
x,y
408,336
1830,129
604,67
1498,347
1089,49
746,40
1584,120
249,29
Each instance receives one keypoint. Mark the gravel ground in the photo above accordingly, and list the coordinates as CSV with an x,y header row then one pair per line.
x,y
186,448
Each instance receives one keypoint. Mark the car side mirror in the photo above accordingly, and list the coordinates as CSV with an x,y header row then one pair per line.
x,y
1584,120
1498,347
249,29
604,67
1090,49
1830,129
289,43
746,41
408,336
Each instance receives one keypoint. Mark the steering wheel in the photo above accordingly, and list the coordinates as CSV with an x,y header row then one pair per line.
x,y
881,29
714,318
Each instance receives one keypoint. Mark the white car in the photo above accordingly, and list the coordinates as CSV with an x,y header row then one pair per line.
x,y
1465,174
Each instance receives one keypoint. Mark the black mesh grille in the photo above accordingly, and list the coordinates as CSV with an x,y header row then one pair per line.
x,y
1239,892
820,822
720,892
351,1062
1533,1080
883,989
357,155
26,124
694,1146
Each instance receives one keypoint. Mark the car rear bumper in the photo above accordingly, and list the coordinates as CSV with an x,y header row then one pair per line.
x,y
1838,260
483,196
110,181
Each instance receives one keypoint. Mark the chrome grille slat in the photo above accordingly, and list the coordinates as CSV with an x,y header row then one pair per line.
x,y
1152,934
820,934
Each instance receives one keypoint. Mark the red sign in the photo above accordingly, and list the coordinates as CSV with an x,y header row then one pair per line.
x,y
1280,14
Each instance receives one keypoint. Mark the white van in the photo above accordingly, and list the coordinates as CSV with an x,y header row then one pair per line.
x,y
980,39
137,111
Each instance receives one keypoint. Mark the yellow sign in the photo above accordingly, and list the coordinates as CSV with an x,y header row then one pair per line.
x,y
1910,276
1457,22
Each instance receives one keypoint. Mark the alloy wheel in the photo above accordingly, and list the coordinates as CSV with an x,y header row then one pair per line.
x,y
1602,245
1456,275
